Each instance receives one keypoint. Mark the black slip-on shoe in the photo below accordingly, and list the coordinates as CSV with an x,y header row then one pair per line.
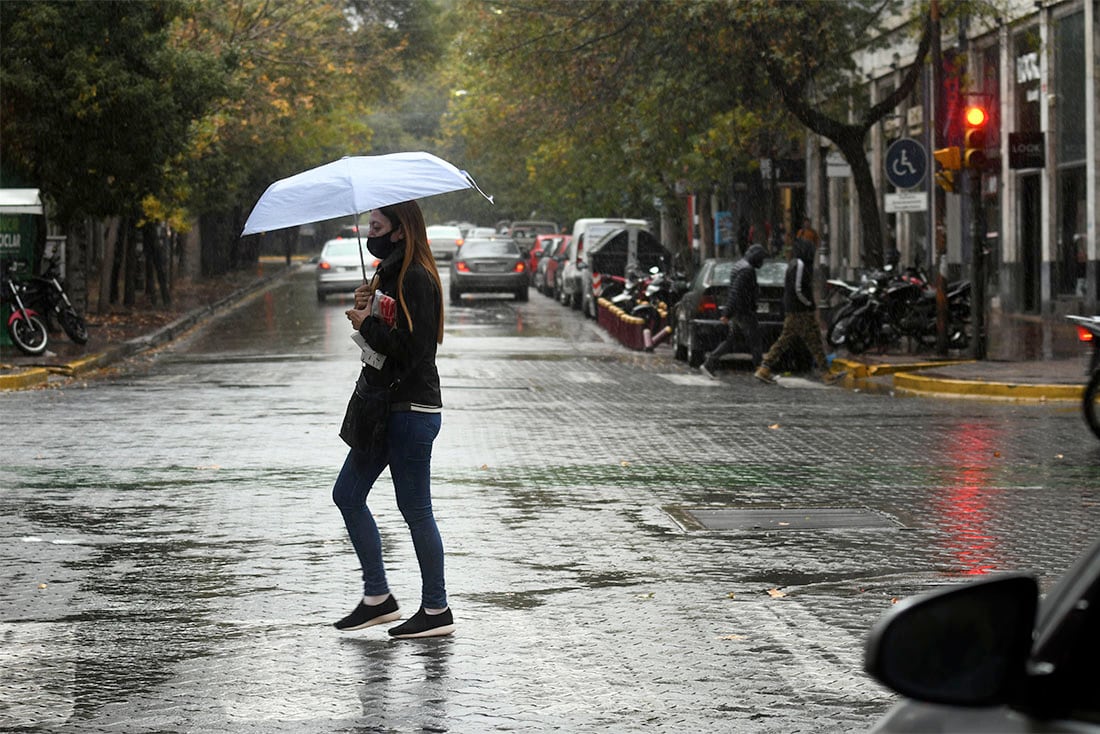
x,y
423,624
368,615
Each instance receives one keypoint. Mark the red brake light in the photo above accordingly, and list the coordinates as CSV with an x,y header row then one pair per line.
x,y
708,305
323,265
462,267
376,263
1084,335
520,267
459,242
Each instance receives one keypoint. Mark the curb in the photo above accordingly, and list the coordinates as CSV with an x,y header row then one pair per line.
x,y
918,378
39,376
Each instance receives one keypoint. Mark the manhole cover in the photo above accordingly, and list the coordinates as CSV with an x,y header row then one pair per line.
x,y
816,518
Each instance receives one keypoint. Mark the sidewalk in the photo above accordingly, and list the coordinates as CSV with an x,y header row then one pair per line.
x,y
113,338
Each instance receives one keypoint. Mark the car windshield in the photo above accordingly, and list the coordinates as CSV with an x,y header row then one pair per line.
x,y
341,248
489,248
772,272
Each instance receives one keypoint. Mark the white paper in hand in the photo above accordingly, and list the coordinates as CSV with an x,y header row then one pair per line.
x,y
369,356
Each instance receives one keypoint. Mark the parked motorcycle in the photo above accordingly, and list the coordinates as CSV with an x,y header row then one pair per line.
x,y
885,307
26,328
1088,330
47,293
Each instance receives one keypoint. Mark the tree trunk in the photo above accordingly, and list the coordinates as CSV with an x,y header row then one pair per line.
x,y
129,291
870,223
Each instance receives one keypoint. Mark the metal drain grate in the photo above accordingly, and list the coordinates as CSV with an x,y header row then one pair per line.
x,y
815,518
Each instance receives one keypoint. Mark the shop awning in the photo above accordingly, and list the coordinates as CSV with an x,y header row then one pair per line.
x,y
20,201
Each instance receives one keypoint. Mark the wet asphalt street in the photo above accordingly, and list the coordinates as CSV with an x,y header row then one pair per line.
x,y
630,546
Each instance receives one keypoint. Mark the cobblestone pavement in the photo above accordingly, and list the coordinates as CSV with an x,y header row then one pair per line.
x,y
171,560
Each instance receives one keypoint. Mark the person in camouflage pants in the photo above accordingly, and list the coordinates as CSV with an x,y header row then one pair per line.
x,y
800,322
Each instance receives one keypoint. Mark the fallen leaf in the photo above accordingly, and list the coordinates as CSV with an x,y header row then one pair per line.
x,y
776,594
894,600
645,596
774,426
484,467
997,454
1059,456
42,586
783,524
731,595
624,463
732,637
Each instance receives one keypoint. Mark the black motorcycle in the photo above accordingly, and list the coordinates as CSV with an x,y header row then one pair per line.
x,y
25,327
47,293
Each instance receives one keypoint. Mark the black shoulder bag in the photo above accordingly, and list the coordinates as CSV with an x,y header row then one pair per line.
x,y
365,420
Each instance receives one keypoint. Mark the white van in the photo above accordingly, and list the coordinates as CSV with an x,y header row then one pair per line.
x,y
585,230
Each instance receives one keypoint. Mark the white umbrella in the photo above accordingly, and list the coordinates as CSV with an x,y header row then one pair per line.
x,y
353,185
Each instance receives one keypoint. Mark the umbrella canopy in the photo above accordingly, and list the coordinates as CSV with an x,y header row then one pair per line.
x,y
353,185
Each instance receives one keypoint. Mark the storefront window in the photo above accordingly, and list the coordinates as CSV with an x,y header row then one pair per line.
x,y
1069,84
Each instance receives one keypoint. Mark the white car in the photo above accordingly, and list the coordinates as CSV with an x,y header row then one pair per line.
x,y
340,269
444,241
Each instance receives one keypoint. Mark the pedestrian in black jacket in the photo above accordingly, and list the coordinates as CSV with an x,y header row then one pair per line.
x,y
399,317
740,310
800,316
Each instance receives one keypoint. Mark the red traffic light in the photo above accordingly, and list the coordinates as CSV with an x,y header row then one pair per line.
x,y
976,116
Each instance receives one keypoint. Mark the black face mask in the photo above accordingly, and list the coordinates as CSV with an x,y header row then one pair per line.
x,y
382,246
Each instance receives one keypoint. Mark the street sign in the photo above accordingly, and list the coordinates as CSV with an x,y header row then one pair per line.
x,y
906,163
906,201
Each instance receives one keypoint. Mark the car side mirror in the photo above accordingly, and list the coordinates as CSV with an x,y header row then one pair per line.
x,y
966,645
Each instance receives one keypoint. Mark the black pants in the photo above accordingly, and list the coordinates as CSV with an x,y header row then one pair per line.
x,y
747,325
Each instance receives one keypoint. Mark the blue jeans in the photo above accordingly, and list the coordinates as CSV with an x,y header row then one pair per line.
x,y
409,456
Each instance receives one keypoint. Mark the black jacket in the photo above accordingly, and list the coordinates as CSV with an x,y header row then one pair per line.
x,y
743,290
406,347
798,287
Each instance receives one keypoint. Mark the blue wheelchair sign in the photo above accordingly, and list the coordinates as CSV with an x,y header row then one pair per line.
x,y
906,163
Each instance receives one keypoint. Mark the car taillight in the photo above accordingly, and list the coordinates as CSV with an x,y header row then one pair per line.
x,y
458,243
462,267
708,305
376,263
1084,335
519,267
324,265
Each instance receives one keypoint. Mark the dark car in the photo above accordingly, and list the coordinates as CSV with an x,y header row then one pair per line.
x,y
697,329
991,656
489,266
548,271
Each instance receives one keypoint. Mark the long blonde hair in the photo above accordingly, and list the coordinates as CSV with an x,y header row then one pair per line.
x,y
408,216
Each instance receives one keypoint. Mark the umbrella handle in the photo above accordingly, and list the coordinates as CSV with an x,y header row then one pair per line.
x,y
362,262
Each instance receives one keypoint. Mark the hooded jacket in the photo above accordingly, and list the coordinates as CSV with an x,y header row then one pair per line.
x,y
743,290
406,345
798,286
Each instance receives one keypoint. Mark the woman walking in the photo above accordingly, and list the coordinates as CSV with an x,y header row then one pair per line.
x,y
399,316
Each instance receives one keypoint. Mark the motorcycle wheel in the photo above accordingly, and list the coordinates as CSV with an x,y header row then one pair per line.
x,y
1091,405
854,336
29,335
74,326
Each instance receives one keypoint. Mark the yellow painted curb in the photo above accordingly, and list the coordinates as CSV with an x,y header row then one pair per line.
x,y
993,390
24,379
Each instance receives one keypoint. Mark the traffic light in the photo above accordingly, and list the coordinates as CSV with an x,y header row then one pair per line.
x,y
974,138
949,160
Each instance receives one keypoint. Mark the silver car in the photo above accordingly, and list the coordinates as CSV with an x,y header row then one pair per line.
x,y
340,269
489,266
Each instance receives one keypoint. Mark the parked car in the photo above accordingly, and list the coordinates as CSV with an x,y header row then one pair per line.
x,y
697,329
524,233
547,272
489,266
339,269
991,656
585,231
544,243
444,240
479,232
